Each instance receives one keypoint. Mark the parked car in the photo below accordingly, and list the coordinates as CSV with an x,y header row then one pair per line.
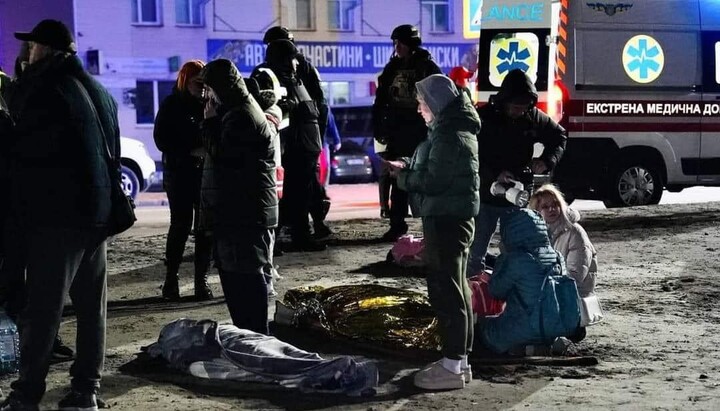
x,y
138,169
355,127
351,164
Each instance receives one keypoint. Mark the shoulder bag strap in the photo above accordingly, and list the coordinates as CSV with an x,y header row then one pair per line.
x,y
108,154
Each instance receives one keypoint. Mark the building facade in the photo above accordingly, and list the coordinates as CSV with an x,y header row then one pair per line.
x,y
135,47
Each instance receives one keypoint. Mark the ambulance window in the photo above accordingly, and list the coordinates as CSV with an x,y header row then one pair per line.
x,y
717,62
711,61
509,51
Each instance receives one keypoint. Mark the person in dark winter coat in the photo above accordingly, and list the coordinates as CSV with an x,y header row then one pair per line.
x,y
395,118
177,135
301,145
12,260
442,180
64,124
239,192
511,126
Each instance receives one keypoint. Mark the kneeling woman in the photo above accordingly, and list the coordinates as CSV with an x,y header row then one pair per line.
x,y
442,179
526,260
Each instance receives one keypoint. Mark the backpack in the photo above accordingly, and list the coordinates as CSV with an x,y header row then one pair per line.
x,y
557,311
559,296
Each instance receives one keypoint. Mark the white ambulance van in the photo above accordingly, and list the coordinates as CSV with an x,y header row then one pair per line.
x,y
636,83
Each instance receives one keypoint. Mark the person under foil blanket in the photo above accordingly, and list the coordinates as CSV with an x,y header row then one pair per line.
x,y
215,351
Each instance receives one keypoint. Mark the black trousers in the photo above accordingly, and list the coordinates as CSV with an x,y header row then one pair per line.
x,y
183,192
318,198
62,260
241,262
301,182
398,205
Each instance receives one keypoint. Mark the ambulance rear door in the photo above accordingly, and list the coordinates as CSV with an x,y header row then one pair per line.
x,y
709,164
514,34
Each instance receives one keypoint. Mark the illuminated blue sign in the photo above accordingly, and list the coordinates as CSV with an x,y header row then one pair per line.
x,y
339,57
517,12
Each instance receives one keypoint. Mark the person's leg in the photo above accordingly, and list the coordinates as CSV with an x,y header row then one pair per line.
x,y
203,240
398,213
446,239
53,258
485,226
384,183
203,255
319,208
12,270
469,226
269,267
181,199
89,298
306,180
241,263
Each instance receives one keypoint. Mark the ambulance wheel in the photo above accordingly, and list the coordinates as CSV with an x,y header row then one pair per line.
x,y
634,183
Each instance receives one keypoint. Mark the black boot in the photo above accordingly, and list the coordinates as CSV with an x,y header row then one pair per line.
x,y
322,231
171,288
202,288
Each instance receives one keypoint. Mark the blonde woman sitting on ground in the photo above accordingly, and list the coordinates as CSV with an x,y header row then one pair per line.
x,y
567,236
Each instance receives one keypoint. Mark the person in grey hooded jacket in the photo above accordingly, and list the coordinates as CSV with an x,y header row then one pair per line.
x,y
443,182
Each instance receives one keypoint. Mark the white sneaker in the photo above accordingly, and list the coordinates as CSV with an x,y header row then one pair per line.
x,y
274,274
467,374
436,377
271,289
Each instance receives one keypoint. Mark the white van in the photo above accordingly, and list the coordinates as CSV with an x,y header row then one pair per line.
x,y
636,83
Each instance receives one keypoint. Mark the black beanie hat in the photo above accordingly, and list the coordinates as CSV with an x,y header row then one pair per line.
x,y
280,52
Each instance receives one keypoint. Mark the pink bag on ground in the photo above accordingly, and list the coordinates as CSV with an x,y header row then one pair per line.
x,y
407,251
483,303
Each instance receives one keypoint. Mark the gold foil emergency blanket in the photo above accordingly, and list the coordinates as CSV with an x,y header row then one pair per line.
x,y
390,316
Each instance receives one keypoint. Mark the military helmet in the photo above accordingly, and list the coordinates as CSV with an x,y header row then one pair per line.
x,y
278,33
407,34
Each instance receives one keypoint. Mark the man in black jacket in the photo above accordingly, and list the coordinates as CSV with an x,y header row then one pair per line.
x,y
65,122
301,144
309,77
396,121
239,194
511,125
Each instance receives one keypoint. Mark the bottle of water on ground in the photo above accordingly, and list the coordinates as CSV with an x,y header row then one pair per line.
x,y
9,345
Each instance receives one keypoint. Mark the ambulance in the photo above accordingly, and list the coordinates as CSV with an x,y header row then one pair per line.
x,y
635,82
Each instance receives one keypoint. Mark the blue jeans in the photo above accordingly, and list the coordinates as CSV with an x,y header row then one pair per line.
x,y
485,225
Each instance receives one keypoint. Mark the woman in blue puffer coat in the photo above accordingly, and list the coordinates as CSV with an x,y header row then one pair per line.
x,y
526,259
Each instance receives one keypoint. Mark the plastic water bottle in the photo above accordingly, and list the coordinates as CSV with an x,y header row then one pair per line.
x,y
9,345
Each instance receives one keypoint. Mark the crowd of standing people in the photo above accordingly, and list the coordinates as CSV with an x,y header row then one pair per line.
x,y
223,136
